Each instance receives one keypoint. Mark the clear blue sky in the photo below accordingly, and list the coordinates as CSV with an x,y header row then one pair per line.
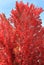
x,y
7,5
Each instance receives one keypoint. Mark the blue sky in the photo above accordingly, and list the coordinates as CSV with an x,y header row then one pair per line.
x,y
7,5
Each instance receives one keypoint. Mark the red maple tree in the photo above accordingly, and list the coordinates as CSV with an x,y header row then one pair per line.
x,y
23,43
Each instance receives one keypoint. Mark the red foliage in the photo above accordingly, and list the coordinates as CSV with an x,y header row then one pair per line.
x,y
5,55
23,43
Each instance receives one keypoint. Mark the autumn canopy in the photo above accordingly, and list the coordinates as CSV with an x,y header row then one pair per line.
x,y
22,36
